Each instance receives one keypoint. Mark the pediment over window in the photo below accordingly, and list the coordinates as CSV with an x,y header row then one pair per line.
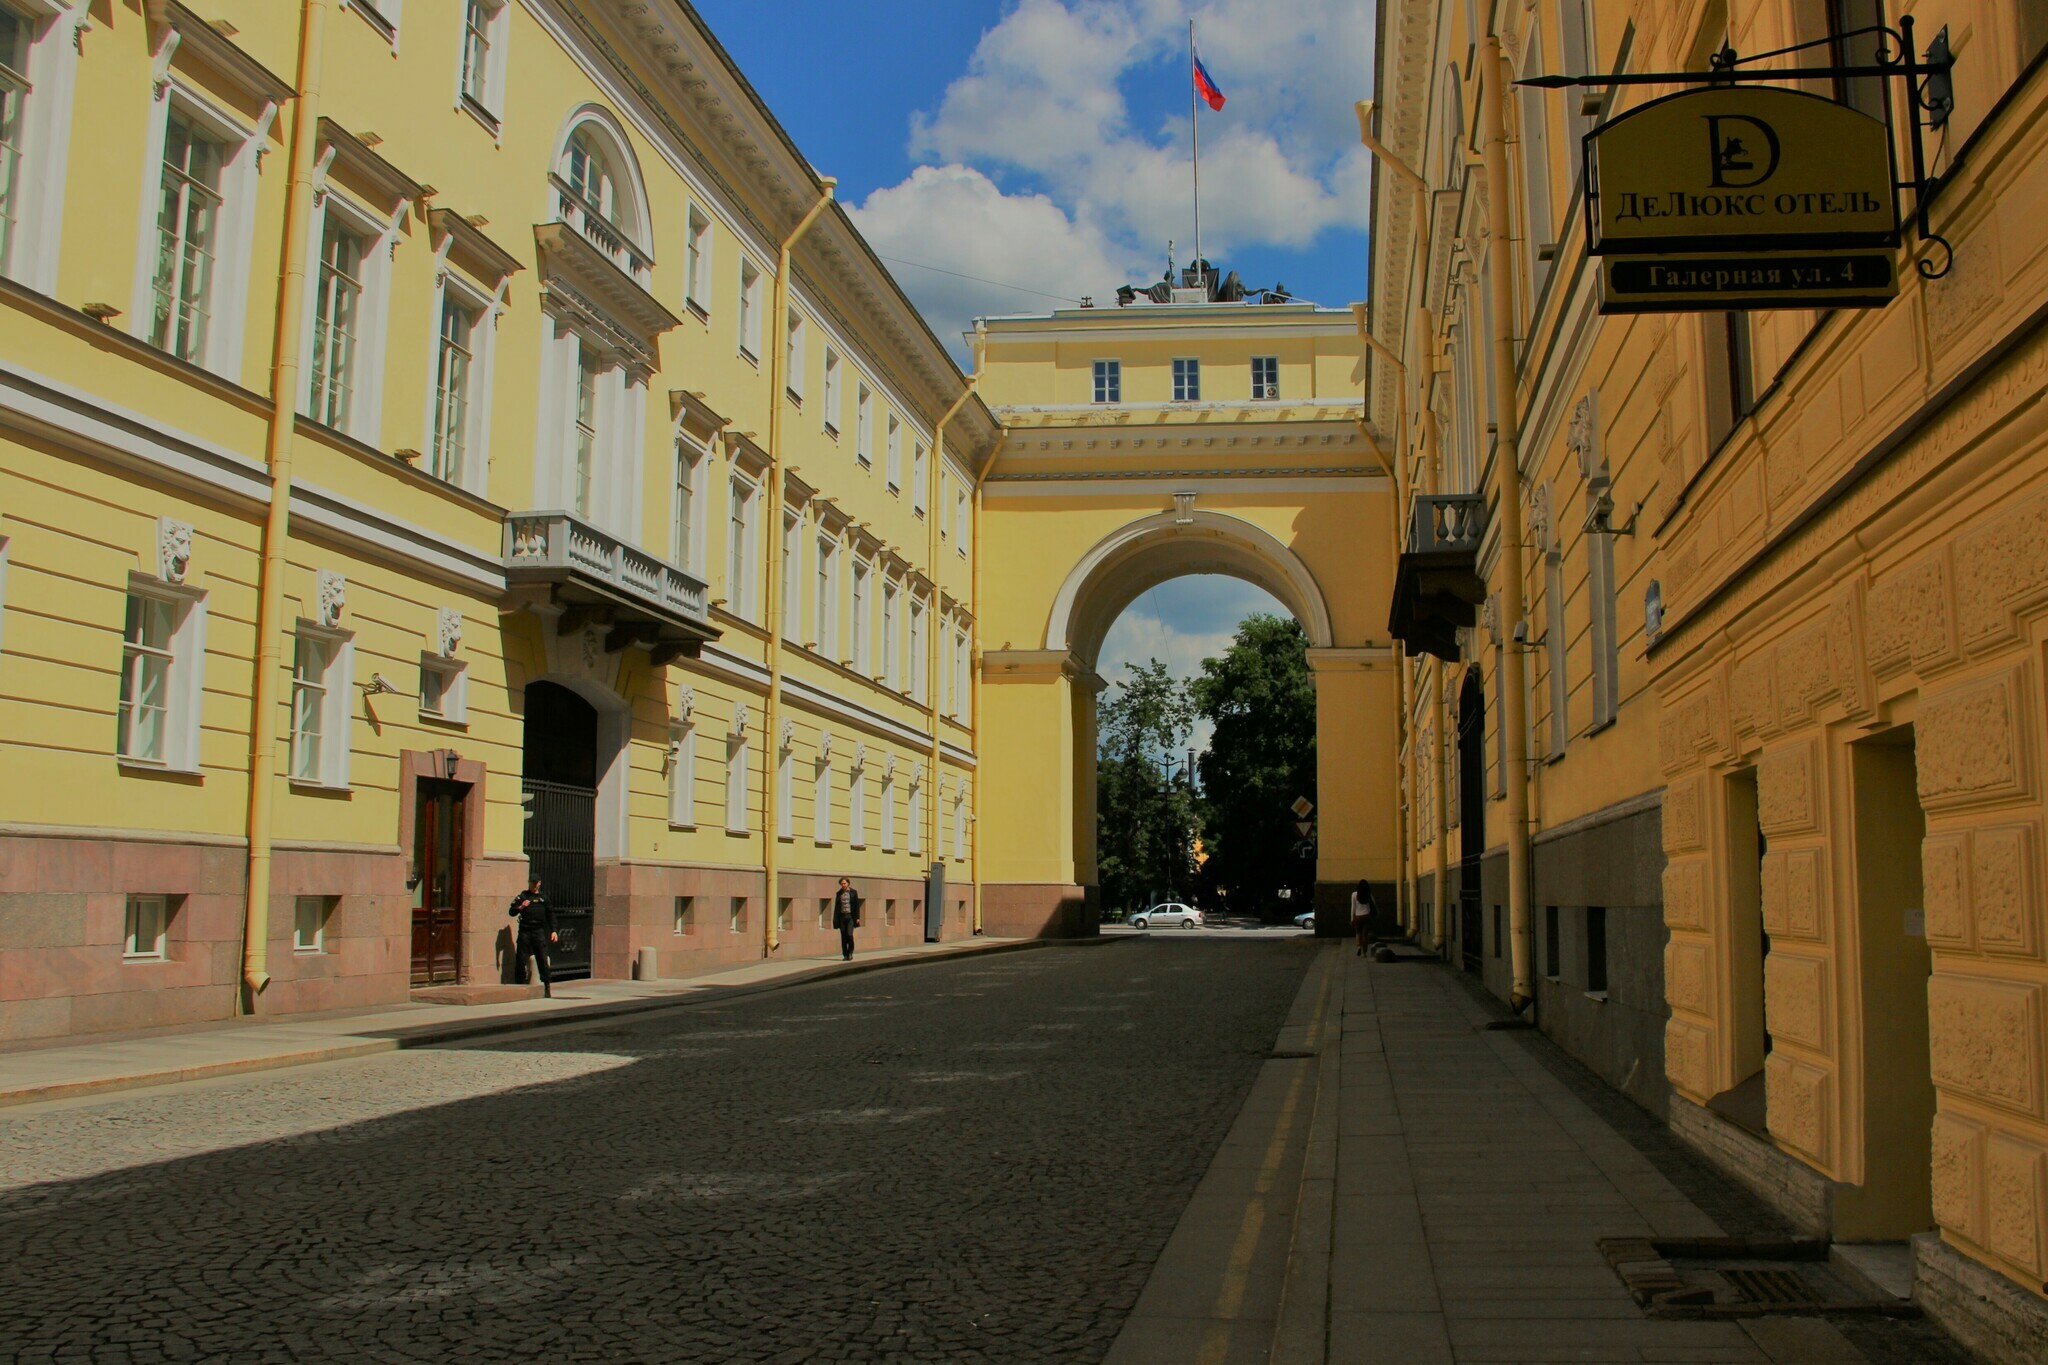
x,y
746,454
698,419
479,253
580,282
176,28
339,148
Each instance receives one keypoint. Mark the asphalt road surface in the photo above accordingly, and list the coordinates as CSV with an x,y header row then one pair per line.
x,y
967,1161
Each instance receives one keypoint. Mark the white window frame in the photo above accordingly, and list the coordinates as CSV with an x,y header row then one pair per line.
x,y
1539,226
888,811
960,825
918,625
454,689
830,417
29,249
864,426
1268,388
472,471
792,573
155,914
863,632
1187,379
364,416
826,627
736,915
5,542
736,784
793,367
742,529
483,98
321,907
914,815
893,466
682,775
1107,382
697,246
962,518
381,15
821,801
686,520
685,916
857,806
330,758
750,310
918,456
785,797
891,671
184,676
227,299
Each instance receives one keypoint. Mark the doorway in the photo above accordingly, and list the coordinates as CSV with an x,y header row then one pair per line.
x,y
1471,814
559,788
437,845
1745,1102
1893,963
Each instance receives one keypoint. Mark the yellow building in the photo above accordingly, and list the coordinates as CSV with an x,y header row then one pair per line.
x,y
1191,428
402,482
1737,623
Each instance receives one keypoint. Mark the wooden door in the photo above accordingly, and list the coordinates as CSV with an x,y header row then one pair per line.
x,y
437,886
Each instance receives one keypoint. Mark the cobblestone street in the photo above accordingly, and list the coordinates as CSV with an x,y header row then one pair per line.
x,y
954,1162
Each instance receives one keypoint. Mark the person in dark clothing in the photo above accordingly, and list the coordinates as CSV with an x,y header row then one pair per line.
x,y
846,916
1362,908
536,931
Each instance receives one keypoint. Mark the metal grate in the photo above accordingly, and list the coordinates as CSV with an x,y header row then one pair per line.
x,y
1771,1286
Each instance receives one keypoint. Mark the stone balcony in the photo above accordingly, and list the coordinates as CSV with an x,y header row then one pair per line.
x,y
558,564
1437,585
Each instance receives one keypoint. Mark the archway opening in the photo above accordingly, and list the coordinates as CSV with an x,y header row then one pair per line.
x,y
559,782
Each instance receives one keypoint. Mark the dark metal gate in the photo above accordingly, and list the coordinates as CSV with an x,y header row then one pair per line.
x,y
561,849
1471,816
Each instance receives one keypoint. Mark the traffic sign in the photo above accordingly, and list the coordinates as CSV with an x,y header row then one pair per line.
x,y
1301,807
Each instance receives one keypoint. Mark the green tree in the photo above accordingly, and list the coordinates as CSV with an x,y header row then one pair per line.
x,y
1144,820
1261,757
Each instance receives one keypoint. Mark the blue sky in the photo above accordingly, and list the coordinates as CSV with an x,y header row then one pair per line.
x,y
1180,623
1043,144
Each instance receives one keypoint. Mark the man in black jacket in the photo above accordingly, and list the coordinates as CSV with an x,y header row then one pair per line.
x,y
846,917
536,931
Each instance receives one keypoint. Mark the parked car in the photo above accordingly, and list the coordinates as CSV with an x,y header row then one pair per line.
x,y
1168,912
1305,920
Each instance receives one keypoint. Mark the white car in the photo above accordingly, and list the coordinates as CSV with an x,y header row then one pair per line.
x,y
1168,912
1305,920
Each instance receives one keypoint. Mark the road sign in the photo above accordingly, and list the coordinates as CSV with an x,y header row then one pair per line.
x,y
1302,827
1301,807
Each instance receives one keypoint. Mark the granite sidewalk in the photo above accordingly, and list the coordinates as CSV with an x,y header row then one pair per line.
x,y
85,1067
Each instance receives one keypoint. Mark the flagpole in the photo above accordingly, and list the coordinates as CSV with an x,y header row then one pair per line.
x,y
1195,125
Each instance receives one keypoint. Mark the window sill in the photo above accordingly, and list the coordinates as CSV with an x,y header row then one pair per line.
x,y
831,431
447,722
309,787
143,767
682,829
821,843
308,952
1598,726
750,357
384,27
697,310
1597,997
484,117
738,833
143,959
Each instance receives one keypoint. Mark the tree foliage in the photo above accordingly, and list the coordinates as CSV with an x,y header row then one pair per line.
x,y
1261,757
1145,820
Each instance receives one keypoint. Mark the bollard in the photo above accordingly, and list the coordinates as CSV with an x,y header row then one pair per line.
x,y
647,965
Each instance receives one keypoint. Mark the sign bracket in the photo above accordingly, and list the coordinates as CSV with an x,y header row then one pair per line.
x,y
1929,94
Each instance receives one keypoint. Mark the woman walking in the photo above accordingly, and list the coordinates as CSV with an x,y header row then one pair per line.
x,y
1361,916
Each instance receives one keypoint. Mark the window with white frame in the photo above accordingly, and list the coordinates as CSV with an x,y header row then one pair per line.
x,y
736,784
15,33
736,915
686,915
960,675
915,820
686,517
785,796
1265,376
40,48
697,262
309,923
864,428
586,409
682,775
792,574
917,610
962,517
857,806
891,671
483,58
1109,381
456,379
888,812
793,369
1187,380
893,465
444,689
831,394
825,624
1539,231
382,15
739,548
146,932
162,656
917,475
591,177
338,308
821,800
320,706
861,644
750,309
189,228
959,825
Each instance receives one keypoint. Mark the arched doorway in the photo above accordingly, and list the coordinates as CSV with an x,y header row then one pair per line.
x,y
1471,815
559,782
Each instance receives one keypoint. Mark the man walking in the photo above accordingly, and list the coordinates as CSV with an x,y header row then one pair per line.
x,y
846,917
536,931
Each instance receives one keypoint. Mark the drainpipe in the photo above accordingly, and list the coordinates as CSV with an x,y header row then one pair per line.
x,y
771,766
284,391
974,646
1514,709
931,673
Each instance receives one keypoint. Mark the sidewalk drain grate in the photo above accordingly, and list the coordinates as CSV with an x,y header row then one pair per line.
x,y
1771,1286
1738,1277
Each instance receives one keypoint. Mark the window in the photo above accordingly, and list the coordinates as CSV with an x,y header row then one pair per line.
x,y
1850,25
962,655
686,914
861,660
825,626
961,520
785,798
736,784
337,322
831,394
456,358
146,933
188,230
320,708
863,429
1552,967
1596,949
889,814
739,549
587,171
736,921
894,467
697,263
959,826
686,522
1580,55
916,650
792,571
309,923
888,912
1499,933
824,912
750,309
793,358
1540,229
1729,374
381,14
891,670
444,690
1557,655
1109,381
1187,381
14,92
916,817
917,476
586,429
821,800
782,915
857,806
1265,376
161,657
483,61
682,775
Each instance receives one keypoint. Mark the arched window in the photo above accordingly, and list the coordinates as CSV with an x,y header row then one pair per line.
x,y
595,188
588,172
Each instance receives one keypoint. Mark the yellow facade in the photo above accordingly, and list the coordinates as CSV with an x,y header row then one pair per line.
x,y
594,219
1781,621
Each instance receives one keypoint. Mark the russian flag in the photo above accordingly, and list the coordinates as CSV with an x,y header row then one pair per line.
x,y
1205,87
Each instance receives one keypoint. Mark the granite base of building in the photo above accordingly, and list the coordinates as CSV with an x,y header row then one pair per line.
x,y
1802,1196
1040,910
2000,1322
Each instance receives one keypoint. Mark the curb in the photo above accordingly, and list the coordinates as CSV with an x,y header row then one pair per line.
x,y
1300,1323
431,1035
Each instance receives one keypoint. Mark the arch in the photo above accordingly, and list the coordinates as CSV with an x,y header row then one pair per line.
x,y
610,761
1150,551
594,128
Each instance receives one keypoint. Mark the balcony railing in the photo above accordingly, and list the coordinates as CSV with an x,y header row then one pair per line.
x,y
1437,587
560,547
1446,523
